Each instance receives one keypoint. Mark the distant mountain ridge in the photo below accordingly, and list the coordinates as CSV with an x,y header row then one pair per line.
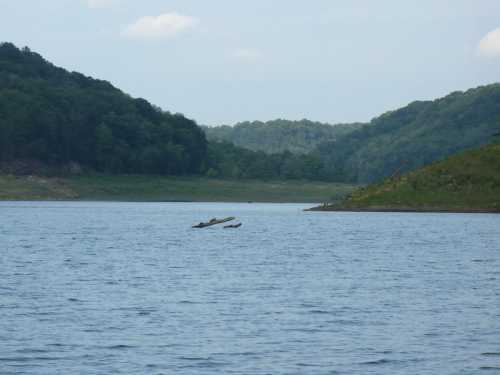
x,y
298,137
52,117
395,142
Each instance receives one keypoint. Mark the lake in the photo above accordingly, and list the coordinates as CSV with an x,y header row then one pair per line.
x,y
131,288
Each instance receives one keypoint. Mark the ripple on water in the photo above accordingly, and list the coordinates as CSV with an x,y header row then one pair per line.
x,y
292,293
320,312
119,347
202,363
32,351
382,361
37,358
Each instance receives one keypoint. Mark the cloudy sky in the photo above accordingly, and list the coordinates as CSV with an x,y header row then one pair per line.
x,y
223,61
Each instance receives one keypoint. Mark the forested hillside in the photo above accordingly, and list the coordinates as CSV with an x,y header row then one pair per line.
x,y
414,136
49,116
298,137
395,142
57,117
230,161
51,119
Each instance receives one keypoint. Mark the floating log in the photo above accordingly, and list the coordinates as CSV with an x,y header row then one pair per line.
x,y
232,226
214,221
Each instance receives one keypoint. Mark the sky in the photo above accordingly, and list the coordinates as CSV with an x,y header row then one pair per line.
x,y
225,61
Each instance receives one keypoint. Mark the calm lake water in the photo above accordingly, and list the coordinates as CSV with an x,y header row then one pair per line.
x,y
130,288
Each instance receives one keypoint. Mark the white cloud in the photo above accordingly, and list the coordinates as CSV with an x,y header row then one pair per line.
x,y
489,46
163,26
247,55
99,3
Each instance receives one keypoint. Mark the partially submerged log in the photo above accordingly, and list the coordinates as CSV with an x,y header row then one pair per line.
x,y
232,226
214,221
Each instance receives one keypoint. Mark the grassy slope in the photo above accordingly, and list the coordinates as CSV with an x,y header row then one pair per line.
x,y
156,188
469,181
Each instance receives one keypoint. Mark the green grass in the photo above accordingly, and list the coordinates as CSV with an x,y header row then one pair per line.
x,y
34,188
159,188
465,182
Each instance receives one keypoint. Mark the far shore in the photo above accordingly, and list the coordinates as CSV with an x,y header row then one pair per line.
x,y
149,188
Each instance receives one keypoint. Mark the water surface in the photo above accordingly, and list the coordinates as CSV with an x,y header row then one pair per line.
x,y
130,288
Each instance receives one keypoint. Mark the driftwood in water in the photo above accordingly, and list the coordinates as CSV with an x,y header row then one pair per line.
x,y
214,221
233,226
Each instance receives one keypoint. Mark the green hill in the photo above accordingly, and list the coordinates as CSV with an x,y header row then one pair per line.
x,y
56,117
55,122
298,137
402,140
414,136
469,181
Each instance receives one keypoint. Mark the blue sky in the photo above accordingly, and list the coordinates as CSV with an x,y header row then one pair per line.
x,y
224,61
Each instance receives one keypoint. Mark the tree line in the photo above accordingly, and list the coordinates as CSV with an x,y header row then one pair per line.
x,y
277,136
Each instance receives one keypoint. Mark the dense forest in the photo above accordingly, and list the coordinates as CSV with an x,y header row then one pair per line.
x,y
230,161
298,137
57,117
395,142
60,118
414,136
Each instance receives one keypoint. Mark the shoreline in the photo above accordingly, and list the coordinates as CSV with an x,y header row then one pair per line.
x,y
406,210
147,201
148,188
